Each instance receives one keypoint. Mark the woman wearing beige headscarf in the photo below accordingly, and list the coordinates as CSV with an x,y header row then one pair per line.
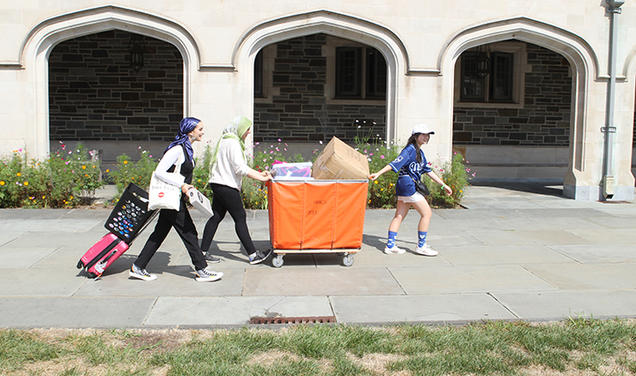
x,y
229,165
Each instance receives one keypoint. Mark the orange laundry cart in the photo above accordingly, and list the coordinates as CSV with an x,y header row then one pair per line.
x,y
316,216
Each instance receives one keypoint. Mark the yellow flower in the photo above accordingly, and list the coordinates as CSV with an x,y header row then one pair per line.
x,y
70,198
125,162
43,197
1,182
18,174
108,170
85,175
26,183
375,182
83,167
93,166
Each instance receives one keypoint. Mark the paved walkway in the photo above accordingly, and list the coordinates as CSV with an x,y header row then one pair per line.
x,y
516,253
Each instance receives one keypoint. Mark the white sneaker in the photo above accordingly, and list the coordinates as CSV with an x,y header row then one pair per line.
x,y
426,251
205,275
393,250
137,272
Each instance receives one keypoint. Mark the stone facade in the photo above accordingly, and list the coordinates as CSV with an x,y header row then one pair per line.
x,y
544,119
300,111
95,94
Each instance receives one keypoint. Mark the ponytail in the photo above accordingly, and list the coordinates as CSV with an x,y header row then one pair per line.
x,y
413,140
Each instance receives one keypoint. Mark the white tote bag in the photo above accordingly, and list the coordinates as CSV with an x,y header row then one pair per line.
x,y
162,195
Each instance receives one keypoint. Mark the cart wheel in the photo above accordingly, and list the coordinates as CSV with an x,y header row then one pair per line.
x,y
347,259
277,261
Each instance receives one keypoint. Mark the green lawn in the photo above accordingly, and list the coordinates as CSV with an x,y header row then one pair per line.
x,y
575,347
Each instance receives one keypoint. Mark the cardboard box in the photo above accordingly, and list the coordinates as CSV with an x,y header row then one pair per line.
x,y
340,161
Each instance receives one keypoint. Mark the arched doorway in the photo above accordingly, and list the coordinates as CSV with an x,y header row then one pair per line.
x,y
512,109
310,88
45,36
115,91
579,182
333,25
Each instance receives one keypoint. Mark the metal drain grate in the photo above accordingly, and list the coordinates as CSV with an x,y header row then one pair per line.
x,y
293,320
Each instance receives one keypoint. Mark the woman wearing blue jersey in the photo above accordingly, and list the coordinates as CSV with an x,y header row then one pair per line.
x,y
410,165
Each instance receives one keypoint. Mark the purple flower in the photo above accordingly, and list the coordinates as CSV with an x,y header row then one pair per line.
x,y
382,156
279,140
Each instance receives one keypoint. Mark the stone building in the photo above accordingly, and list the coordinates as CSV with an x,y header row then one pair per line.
x,y
519,87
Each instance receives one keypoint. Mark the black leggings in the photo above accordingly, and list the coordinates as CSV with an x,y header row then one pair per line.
x,y
182,222
226,199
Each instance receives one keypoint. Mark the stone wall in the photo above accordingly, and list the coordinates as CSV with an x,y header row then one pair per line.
x,y
301,111
95,94
544,118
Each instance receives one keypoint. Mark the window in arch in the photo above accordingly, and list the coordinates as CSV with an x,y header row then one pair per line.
x,y
492,74
360,73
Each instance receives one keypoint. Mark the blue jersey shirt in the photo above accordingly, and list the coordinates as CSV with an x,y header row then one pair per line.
x,y
408,169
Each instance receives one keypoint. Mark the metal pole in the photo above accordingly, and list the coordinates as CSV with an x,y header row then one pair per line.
x,y
609,181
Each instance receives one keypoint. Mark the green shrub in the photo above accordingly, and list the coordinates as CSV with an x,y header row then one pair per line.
x,y
201,173
455,175
128,171
61,180
382,190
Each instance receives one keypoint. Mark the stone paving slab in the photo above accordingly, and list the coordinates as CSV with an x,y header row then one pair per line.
x,y
34,282
503,255
586,276
528,237
224,311
593,253
22,257
467,279
600,236
558,305
320,282
65,312
171,281
414,308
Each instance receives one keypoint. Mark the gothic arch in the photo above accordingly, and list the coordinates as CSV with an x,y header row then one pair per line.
x,y
577,52
331,23
46,35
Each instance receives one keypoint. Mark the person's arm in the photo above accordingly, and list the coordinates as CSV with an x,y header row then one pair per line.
x,y
439,181
260,176
382,171
170,158
397,164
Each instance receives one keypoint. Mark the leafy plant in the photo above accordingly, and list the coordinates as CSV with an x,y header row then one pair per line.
x,y
455,174
128,171
61,180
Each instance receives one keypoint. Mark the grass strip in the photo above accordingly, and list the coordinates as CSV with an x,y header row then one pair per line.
x,y
578,346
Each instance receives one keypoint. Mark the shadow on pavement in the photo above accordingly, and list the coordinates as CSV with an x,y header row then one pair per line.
x,y
543,188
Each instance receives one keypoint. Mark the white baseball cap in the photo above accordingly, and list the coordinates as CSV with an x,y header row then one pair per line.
x,y
422,128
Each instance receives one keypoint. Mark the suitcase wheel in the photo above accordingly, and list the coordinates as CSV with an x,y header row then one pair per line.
x,y
91,275
80,264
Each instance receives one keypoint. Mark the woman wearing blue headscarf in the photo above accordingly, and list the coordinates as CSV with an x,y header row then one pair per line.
x,y
178,153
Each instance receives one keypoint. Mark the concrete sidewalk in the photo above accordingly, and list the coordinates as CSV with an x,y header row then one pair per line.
x,y
513,254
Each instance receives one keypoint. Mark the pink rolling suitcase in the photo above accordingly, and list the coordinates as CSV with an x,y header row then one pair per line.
x,y
102,254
